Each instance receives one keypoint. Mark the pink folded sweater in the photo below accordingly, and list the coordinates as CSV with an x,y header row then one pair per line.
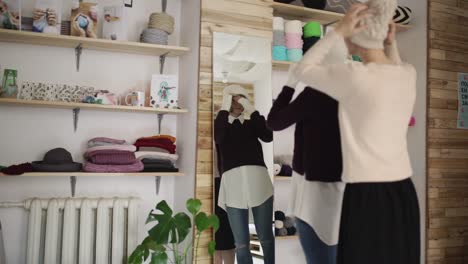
x,y
110,157
130,148
134,167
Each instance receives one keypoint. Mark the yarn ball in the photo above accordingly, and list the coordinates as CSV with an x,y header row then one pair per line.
x,y
403,15
280,216
312,29
286,170
316,4
279,224
294,55
277,169
281,232
162,21
82,22
280,53
288,222
291,231
412,121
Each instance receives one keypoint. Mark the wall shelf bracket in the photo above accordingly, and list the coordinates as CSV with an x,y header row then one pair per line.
x,y
78,51
162,61
73,185
76,115
157,180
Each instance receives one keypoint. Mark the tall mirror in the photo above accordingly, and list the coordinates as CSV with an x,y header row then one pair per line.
x,y
243,152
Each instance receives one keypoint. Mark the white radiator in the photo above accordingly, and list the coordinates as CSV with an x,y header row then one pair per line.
x,y
80,230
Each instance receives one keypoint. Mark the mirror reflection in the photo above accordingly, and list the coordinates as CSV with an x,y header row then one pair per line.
x,y
243,150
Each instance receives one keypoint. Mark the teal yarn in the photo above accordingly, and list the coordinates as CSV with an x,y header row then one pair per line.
x,y
294,54
279,53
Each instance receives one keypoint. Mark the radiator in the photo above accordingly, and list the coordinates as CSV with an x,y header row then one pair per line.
x,y
80,230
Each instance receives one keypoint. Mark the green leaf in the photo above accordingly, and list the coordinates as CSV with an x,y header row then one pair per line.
x,y
214,222
149,243
146,254
136,256
202,222
183,225
150,218
159,258
193,206
164,207
212,247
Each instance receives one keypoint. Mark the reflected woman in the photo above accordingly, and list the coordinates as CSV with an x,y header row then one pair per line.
x,y
245,182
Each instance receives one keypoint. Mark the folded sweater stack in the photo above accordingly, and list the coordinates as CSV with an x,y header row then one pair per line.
x,y
111,155
157,153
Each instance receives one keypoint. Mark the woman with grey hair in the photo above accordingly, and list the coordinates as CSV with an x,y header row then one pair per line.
x,y
380,212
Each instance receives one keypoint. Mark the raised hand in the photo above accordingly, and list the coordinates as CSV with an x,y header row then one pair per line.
x,y
351,24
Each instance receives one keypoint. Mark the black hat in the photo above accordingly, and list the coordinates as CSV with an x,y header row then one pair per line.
x,y
57,160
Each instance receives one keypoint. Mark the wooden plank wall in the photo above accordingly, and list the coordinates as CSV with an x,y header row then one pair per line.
x,y
447,146
243,17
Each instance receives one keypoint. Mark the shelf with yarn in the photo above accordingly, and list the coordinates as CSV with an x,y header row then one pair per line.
x,y
283,178
24,37
97,174
281,65
66,105
288,11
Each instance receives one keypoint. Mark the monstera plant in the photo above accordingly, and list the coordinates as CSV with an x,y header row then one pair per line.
x,y
167,237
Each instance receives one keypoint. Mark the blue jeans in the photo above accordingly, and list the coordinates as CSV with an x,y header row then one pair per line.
x,y
239,220
316,251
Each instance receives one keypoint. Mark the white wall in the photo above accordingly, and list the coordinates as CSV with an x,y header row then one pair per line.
x,y
413,49
27,133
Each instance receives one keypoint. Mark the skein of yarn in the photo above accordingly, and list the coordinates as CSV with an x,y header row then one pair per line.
x,y
279,224
154,36
162,21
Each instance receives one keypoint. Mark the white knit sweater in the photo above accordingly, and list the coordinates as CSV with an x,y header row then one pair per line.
x,y
376,102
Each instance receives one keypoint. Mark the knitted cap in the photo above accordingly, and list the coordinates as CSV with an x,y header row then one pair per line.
x,y
236,90
377,25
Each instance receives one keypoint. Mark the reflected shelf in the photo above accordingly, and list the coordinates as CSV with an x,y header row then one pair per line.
x,y
287,237
283,178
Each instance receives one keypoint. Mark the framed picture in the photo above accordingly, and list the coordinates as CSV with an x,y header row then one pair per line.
x,y
164,91
84,22
47,16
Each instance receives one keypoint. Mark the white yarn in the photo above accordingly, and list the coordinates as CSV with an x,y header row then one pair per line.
x,y
293,26
279,224
278,23
236,90
377,25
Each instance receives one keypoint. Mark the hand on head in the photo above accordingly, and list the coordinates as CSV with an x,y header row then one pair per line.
x,y
351,24
391,34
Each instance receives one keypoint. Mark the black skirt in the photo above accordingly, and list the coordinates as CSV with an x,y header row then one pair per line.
x,y
223,237
380,224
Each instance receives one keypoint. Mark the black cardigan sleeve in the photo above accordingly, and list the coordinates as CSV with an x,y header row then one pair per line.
x,y
284,113
262,131
221,126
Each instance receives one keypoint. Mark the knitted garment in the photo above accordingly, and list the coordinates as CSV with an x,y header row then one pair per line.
x,y
134,167
161,170
161,162
376,102
239,144
171,138
156,155
106,140
130,148
155,149
159,143
317,155
120,158
18,169
377,25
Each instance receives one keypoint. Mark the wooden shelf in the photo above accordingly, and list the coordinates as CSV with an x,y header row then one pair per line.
x,y
286,237
96,174
66,105
283,178
282,65
25,37
288,11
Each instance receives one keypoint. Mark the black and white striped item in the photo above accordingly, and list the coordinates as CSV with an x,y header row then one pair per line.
x,y
403,15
